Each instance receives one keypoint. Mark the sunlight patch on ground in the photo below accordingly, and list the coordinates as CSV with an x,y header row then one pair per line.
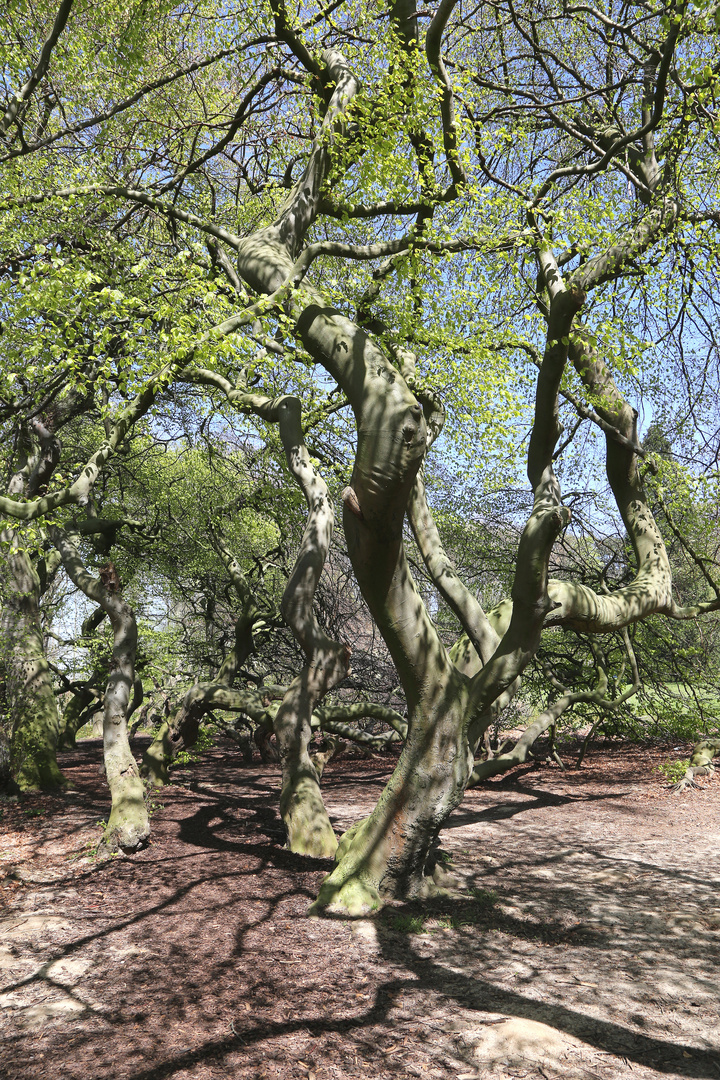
x,y
521,1042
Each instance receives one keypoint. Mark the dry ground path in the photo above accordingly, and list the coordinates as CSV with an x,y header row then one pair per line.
x,y
583,942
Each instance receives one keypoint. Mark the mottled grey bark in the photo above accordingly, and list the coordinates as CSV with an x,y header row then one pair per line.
x,y
76,714
306,820
449,696
700,764
128,826
87,698
386,855
30,694
576,605
31,701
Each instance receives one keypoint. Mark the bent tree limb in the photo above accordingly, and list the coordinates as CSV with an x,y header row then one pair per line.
x,y
128,827
386,854
483,770
466,607
479,638
576,605
360,710
22,95
84,702
530,600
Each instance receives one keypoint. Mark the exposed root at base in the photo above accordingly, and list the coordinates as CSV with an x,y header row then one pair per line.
x,y
113,844
688,780
351,897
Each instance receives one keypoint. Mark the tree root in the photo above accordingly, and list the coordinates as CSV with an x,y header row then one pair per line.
x,y
688,780
701,764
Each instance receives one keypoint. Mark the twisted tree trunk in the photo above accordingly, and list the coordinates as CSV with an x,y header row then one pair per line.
x,y
76,714
302,808
700,764
387,855
128,826
181,731
308,826
449,697
86,699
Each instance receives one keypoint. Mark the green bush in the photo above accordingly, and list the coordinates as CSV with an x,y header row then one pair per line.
x,y
204,742
673,771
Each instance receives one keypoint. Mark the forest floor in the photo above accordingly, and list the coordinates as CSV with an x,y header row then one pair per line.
x,y
583,940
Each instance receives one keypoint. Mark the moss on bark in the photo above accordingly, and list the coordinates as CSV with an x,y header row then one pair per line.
x,y
35,734
128,827
303,812
30,694
157,757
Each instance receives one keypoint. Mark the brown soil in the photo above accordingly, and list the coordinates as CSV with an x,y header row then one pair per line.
x,y
584,941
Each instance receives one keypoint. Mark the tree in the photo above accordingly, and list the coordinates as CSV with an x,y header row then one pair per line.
x,y
531,187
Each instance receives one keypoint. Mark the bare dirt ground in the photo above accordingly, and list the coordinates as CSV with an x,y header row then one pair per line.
x,y
584,942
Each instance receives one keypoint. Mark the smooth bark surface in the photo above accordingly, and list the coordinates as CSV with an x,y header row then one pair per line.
x,y
128,826
386,855
302,809
588,132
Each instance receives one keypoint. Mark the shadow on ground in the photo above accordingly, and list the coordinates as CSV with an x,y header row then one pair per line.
x,y
583,942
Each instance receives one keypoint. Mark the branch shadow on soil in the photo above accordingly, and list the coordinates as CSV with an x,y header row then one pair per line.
x,y
541,799
604,1035
671,1058
422,975
246,827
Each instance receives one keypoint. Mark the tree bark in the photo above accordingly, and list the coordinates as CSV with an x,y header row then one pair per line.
x,y
307,823
181,731
306,820
77,713
575,605
387,854
449,698
30,692
700,764
128,826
